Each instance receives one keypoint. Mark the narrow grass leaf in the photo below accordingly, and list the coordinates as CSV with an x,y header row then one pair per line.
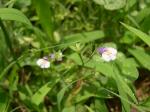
x,y
60,96
13,14
45,16
125,106
38,97
140,34
4,101
100,105
84,37
142,57
89,109
121,82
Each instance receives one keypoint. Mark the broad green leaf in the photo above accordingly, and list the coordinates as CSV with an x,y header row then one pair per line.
x,y
84,37
140,34
142,57
4,101
13,14
38,97
45,16
104,68
128,68
94,63
111,4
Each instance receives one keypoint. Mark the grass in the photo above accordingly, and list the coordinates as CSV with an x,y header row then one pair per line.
x,y
67,33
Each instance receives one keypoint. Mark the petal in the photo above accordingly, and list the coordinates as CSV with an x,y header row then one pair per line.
x,y
113,57
112,50
43,63
47,65
101,50
39,61
106,57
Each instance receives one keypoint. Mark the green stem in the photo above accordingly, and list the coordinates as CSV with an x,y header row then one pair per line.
x,y
81,58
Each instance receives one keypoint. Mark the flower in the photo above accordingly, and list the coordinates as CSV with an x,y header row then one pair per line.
x,y
43,62
108,53
52,56
59,56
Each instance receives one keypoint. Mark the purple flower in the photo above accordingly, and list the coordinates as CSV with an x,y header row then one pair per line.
x,y
101,50
108,53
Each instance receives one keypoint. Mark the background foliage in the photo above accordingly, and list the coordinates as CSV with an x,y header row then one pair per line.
x,y
82,81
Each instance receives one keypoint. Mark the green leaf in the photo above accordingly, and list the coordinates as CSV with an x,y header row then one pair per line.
x,y
142,57
143,14
128,68
13,14
111,4
69,109
38,97
45,16
140,34
94,63
130,4
84,37
122,84
89,109
60,96
122,93
4,101
100,105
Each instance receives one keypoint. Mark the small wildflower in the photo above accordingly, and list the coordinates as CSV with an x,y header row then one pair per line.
x,y
43,62
108,53
52,56
59,56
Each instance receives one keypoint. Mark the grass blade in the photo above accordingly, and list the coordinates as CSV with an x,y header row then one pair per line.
x,y
38,97
45,16
14,14
140,34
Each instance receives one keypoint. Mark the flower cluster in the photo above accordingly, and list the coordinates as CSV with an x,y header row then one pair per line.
x,y
45,63
108,53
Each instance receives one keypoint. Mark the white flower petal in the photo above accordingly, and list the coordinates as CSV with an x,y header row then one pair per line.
x,y
113,57
106,57
112,50
109,54
43,63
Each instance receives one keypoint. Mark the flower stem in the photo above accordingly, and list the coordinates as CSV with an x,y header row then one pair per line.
x,y
81,58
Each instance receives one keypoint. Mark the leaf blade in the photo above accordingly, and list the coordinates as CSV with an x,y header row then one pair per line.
x,y
14,14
